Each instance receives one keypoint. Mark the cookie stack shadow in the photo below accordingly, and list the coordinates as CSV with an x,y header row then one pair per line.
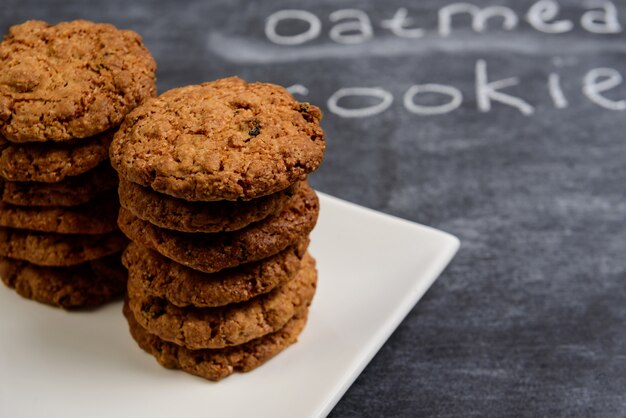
x,y
215,285
61,98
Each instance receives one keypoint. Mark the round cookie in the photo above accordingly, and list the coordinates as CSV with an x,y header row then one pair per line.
x,y
220,363
50,249
214,252
72,191
71,80
51,163
223,140
98,216
181,215
157,276
82,286
198,328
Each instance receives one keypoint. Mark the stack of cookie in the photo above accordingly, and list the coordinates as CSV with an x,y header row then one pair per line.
x,y
63,91
215,201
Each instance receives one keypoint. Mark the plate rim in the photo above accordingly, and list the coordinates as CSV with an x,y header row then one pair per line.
x,y
446,248
450,245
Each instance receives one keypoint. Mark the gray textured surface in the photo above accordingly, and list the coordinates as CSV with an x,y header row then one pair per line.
x,y
530,318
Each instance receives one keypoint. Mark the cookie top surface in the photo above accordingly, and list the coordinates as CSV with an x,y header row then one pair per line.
x,y
51,163
198,328
71,80
85,285
222,140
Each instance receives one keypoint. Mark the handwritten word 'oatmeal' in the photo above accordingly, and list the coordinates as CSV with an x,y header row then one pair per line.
x,y
354,26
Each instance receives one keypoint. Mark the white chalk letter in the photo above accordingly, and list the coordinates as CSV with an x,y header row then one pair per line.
x,y
456,98
486,91
298,89
361,25
315,27
601,21
385,97
556,92
593,87
541,13
398,25
479,17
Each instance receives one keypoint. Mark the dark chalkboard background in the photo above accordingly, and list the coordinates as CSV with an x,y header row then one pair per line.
x,y
530,317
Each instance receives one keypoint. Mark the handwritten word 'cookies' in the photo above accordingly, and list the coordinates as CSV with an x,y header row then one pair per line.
x,y
354,26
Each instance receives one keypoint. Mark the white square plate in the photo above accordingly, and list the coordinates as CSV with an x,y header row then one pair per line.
x,y
373,268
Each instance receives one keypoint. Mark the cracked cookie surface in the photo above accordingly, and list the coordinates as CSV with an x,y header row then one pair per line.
x,y
198,328
214,252
70,80
222,140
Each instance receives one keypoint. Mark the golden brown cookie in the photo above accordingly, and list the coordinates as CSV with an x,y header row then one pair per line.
x,y
51,163
223,140
198,328
71,80
72,191
180,215
98,216
160,277
214,252
82,286
217,364
50,249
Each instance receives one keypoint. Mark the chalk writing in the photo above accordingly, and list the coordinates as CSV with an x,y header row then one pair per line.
x,y
385,97
315,27
479,17
351,29
456,98
344,32
486,91
542,15
601,21
354,26
554,87
595,84
398,25
600,80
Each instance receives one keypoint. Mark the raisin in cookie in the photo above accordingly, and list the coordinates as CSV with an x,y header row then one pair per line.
x,y
222,140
